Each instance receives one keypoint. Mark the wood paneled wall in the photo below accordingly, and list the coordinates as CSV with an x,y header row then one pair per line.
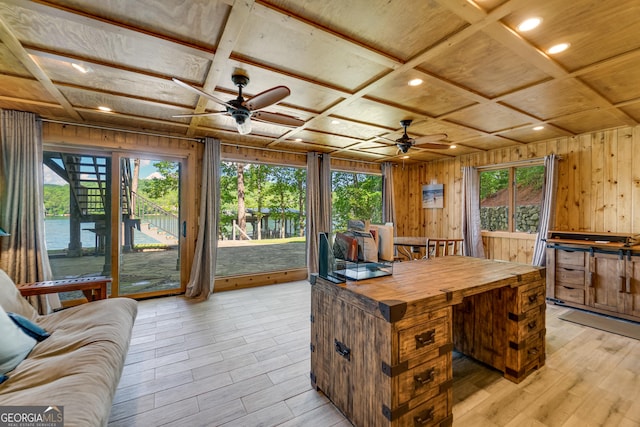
x,y
598,180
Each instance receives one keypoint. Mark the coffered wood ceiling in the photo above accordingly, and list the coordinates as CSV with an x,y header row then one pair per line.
x,y
484,84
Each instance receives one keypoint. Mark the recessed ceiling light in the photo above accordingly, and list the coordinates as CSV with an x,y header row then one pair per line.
x,y
529,24
452,146
404,157
335,122
80,68
558,48
105,109
298,140
415,82
538,128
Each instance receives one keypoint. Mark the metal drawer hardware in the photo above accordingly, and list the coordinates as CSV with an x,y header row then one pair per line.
x,y
342,350
532,324
424,418
425,378
425,338
533,298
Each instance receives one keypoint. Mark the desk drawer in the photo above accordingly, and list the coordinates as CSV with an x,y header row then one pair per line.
x,y
423,338
532,322
532,298
532,348
425,377
434,412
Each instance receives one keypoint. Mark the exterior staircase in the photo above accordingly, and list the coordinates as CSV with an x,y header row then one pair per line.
x,y
89,186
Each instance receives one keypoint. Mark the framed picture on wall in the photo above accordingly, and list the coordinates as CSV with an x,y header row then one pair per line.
x,y
433,196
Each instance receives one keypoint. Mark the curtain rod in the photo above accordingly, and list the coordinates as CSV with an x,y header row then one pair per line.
x,y
514,163
201,140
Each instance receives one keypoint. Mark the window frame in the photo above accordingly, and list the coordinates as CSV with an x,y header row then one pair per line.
x,y
511,167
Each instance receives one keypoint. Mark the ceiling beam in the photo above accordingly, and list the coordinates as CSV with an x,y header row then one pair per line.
x,y
240,12
15,47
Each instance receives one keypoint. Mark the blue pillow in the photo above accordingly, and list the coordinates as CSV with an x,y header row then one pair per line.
x,y
28,327
3,378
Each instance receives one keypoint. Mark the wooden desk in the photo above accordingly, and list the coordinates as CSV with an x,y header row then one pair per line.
x,y
381,349
93,288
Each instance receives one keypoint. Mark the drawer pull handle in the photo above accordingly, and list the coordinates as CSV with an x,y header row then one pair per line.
x,y
424,418
426,338
425,378
342,350
532,324
533,351
533,298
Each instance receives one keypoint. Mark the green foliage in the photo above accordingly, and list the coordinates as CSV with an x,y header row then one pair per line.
x,y
356,196
56,199
157,188
493,181
532,176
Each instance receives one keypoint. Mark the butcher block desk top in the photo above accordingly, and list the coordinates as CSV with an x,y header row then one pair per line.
x,y
440,281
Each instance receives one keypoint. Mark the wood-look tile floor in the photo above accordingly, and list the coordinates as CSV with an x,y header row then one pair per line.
x,y
242,359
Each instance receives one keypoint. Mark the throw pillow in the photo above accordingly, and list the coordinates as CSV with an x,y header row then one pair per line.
x,y
15,345
29,327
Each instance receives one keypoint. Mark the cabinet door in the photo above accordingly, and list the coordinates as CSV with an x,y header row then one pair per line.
x,y
606,272
632,287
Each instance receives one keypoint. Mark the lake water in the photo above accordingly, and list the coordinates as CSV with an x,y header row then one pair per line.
x,y
57,234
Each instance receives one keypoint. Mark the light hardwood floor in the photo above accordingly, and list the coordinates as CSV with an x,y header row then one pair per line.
x,y
242,359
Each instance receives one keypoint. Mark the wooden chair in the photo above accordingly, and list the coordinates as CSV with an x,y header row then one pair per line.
x,y
443,247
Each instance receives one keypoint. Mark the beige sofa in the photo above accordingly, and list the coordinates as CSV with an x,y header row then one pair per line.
x,y
79,365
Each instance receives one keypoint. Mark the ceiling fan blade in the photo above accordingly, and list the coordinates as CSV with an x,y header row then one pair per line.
x,y
266,98
201,114
280,119
201,92
429,138
385,138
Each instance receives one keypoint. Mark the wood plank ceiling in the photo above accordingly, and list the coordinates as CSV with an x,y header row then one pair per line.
x,y
485,83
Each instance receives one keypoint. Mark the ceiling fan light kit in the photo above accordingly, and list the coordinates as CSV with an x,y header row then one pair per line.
x,y
405,142
243,110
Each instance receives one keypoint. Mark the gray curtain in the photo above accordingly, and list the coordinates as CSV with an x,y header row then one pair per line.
x,y
23,254
388,196
203,269
472,245
318,204
547,208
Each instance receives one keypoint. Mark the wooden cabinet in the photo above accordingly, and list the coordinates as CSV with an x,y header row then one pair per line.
x,y
381,349
594,271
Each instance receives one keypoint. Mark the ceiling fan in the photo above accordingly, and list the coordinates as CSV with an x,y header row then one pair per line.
x,y
243,110
428,141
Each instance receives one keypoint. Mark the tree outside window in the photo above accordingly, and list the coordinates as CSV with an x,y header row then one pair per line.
x,y
355,196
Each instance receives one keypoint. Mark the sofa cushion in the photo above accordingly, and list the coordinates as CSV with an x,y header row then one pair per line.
x,y
15,345
11,300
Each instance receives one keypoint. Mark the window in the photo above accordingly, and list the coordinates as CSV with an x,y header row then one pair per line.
x,y
262,219
510,198
355,196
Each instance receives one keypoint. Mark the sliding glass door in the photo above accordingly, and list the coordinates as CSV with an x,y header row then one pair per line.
x,y
114,214
150,226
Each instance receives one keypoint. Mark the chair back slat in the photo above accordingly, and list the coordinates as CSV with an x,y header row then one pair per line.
x,y
443,247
